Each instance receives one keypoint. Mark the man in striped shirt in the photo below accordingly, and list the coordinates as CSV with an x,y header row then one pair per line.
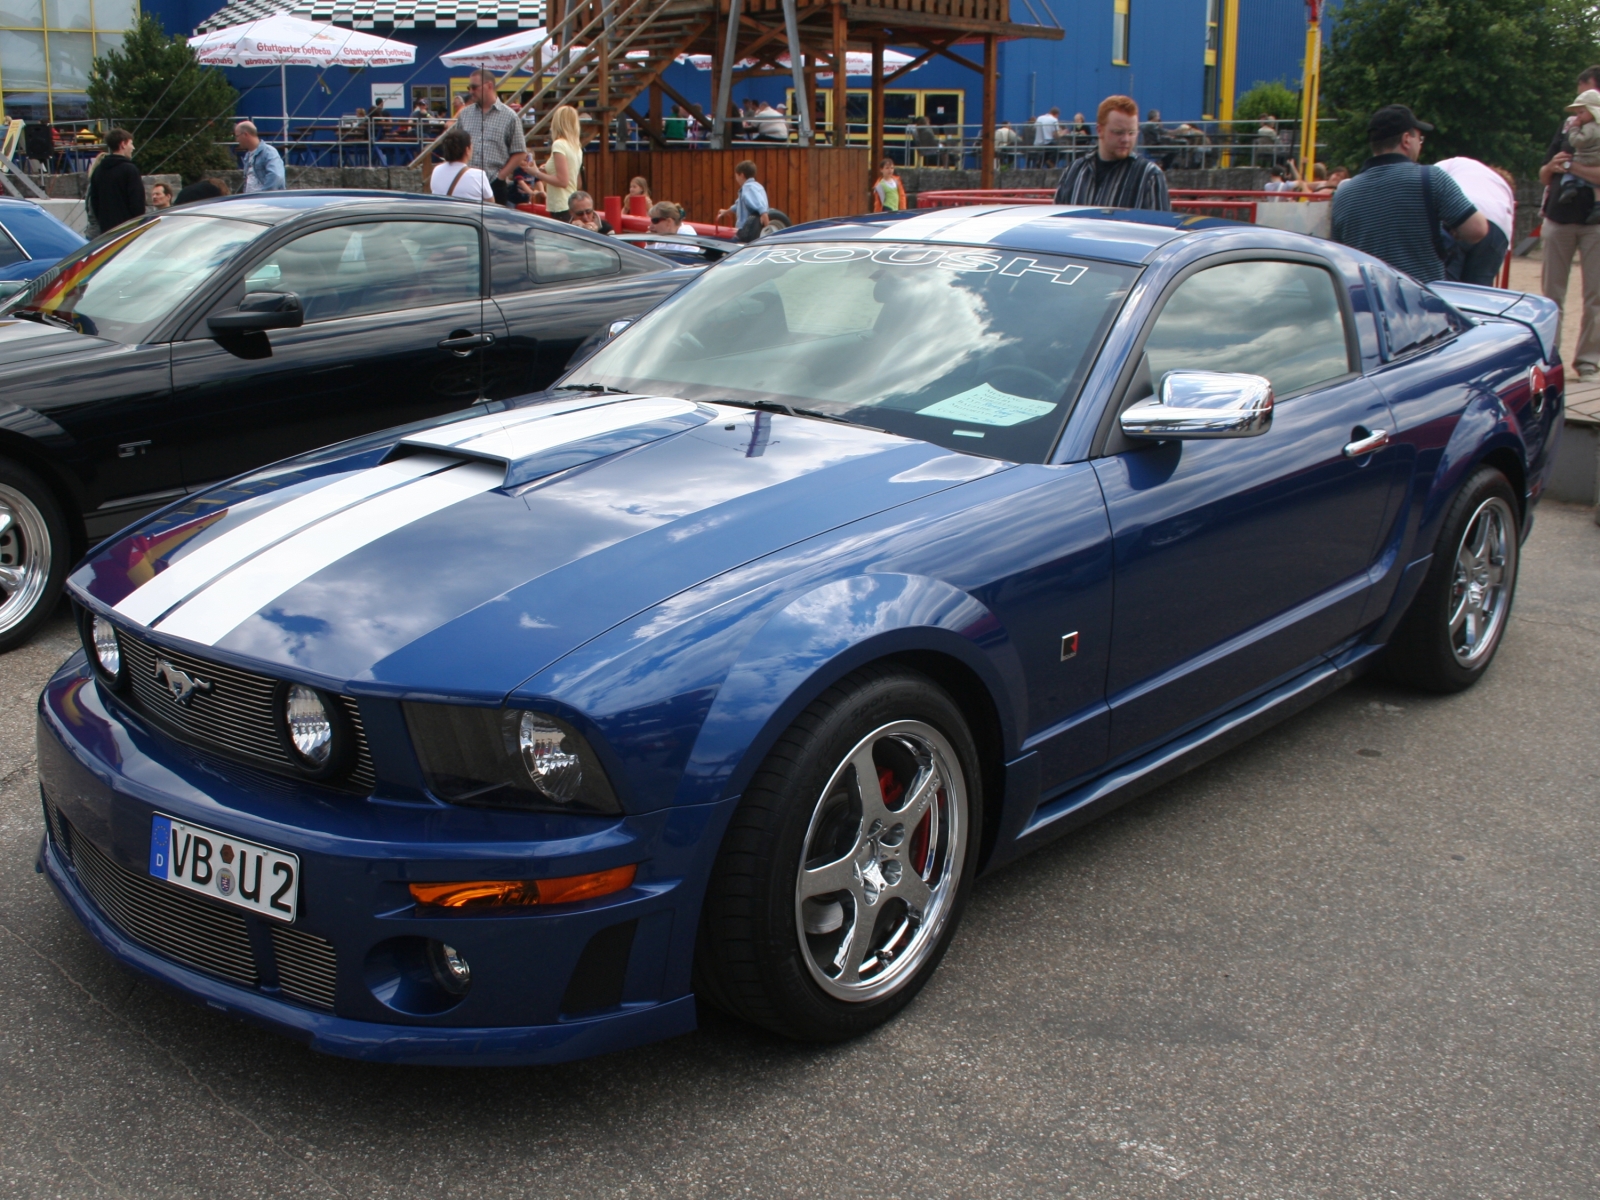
x,y
1393,209
1113,176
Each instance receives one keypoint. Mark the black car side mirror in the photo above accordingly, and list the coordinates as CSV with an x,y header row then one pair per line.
x,y
259,312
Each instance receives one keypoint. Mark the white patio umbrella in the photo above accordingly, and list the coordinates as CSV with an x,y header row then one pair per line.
x,y
284,41
856,62
503,53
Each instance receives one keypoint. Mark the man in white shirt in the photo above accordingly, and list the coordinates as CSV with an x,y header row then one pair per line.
x,y
1482,261
770,124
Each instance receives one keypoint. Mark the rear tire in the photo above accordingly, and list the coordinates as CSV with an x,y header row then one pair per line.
x,y
34,553
831,903
1449,635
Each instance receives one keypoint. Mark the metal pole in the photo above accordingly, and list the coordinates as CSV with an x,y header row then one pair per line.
x,y
841,77
283,95
1312,85
797,70
1230,62
730,47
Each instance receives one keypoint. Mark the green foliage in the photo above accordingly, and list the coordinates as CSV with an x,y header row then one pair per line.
x,y
1273,99
1492,76
178,111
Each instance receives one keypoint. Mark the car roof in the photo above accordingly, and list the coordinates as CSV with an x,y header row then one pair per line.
x,y
1117,235
274,208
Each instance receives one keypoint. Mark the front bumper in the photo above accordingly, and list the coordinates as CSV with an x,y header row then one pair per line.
x,y
547,984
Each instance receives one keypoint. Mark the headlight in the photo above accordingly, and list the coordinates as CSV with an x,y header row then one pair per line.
x,y
311,728
507,758
107,649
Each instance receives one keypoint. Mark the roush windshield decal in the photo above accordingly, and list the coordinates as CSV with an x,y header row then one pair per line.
x,y
967,261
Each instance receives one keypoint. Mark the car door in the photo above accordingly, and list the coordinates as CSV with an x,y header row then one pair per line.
x,y
1240,561
394,331
553,290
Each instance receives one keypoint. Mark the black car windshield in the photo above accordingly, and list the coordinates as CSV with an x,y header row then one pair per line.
x,y
124,286
972,348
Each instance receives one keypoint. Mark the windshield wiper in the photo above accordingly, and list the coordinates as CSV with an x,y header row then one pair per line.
x,y
43,318
592,387
791,411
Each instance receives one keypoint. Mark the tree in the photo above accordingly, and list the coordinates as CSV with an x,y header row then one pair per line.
x,y
1492,76
1273,99
178,111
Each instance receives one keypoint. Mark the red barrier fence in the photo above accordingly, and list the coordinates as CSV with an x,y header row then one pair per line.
x,y
1233,204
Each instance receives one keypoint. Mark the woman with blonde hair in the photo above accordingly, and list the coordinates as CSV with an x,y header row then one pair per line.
x,y
559,174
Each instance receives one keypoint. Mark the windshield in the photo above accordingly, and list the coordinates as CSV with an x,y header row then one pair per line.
x,y
975,349
124,287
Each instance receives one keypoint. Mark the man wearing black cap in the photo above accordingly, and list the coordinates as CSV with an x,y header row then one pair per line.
x,y
1394,207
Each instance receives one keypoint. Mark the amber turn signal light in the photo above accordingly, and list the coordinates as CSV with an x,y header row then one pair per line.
x,y
507,893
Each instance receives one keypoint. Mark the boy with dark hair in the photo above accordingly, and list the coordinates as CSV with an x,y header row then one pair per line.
x,y
749,211
116,189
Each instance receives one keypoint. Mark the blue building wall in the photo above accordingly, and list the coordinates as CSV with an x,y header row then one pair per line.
x,y
1165,69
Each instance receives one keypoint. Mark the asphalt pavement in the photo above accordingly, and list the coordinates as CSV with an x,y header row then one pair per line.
x,y
1357,957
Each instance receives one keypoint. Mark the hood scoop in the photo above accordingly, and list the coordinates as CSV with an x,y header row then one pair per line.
x,y
542,439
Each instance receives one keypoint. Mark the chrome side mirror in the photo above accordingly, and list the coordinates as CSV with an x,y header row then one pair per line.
x,y
1203,404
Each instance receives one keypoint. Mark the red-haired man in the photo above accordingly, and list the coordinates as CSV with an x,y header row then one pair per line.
x,y
1114,176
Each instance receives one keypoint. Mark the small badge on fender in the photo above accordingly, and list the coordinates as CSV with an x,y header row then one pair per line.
x,y
1069,645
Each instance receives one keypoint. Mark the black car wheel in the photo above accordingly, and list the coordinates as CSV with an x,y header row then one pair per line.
x,y
1454,626
34,553
843,873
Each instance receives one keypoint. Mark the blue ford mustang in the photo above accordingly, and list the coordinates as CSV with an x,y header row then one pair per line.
x,y
887,550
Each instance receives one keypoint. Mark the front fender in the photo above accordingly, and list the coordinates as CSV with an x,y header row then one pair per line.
x,y
819,637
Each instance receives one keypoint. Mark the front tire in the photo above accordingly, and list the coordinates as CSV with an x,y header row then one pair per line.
x,y
34,553
1449,636
843,873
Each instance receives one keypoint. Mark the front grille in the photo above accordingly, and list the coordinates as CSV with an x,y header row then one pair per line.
x,y
235,717
169,921
186,928
306,965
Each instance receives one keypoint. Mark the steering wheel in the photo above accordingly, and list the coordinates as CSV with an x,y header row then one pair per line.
x,y
1048,386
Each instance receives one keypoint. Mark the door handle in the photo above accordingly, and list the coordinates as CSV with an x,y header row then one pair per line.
x,y
463,344
1375,440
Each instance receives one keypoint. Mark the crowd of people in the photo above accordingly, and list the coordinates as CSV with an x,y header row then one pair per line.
x,y
1454,219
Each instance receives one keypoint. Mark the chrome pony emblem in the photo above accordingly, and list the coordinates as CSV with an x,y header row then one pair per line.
x,y
181,684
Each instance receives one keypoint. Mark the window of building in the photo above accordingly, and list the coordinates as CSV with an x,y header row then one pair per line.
x,y
1209,96
47,48
1119,31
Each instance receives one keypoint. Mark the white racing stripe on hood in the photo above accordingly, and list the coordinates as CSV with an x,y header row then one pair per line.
x,y
444,437
511,443
209,616
195,570
973,224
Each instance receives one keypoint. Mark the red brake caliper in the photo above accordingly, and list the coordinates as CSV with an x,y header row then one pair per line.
x,y
892,790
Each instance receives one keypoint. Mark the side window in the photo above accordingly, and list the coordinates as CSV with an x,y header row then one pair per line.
x,y
557,258
1410,317
1277,319
374,267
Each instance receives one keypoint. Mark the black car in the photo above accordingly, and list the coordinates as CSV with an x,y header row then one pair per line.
x,y
206,340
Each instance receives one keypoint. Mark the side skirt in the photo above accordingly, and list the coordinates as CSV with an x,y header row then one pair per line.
x,y
1065,812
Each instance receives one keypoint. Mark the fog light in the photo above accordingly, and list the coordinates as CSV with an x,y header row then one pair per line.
x,y
450,970
107,649
310,727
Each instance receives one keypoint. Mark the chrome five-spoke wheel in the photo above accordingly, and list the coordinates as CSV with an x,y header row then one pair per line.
x,y
24,555
841,877
32,554
1458,618
1485,564
881,858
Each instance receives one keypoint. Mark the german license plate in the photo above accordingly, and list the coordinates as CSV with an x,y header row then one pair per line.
x,y
245,874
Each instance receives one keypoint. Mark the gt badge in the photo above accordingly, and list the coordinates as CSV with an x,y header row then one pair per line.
x,y
180,683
